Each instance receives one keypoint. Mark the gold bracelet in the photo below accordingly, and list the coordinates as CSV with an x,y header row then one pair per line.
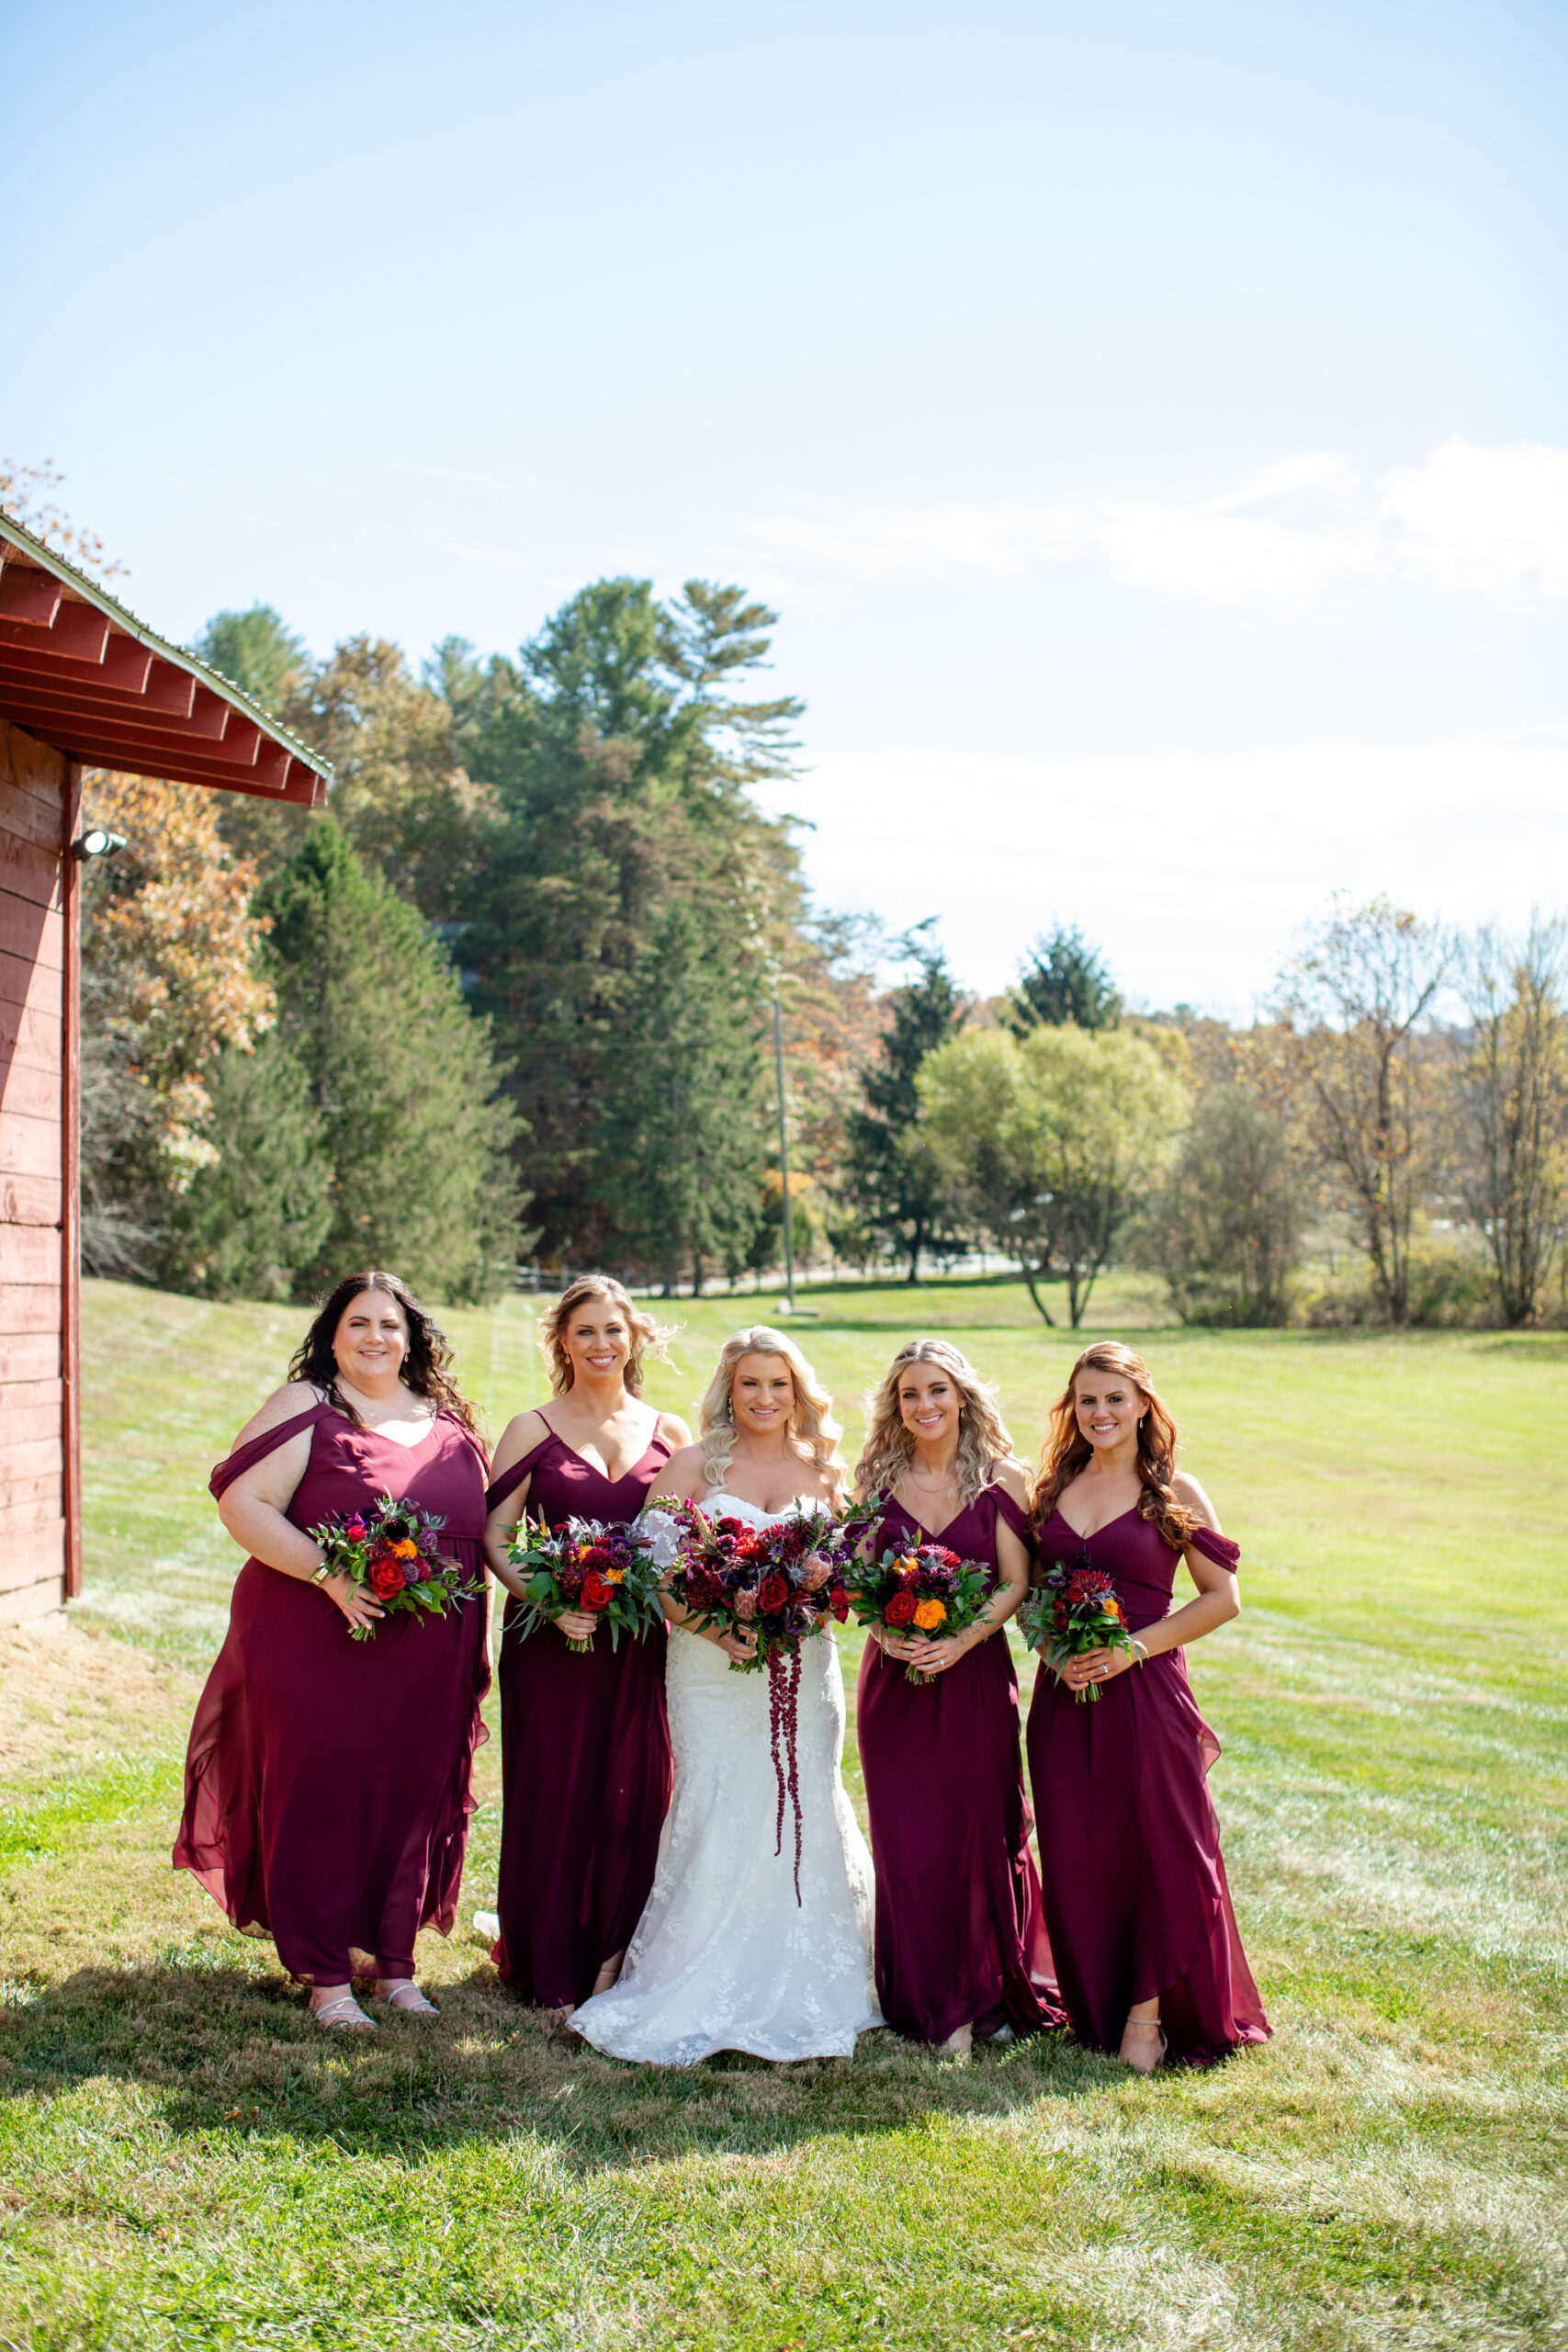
x,y
323,1573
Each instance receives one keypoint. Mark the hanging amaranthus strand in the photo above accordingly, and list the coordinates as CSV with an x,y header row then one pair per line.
x,y
784,1723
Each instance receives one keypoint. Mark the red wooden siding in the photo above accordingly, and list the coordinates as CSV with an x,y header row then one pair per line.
x,y
35,1298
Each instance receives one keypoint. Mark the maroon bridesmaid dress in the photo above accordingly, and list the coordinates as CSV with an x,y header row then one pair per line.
x,y
586,1760
960,1935
327,1781
1135,1884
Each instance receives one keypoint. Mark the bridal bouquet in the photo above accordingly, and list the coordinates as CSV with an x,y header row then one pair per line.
x,y
584,1566
923,1589
394,1551
779,1584
1071,1611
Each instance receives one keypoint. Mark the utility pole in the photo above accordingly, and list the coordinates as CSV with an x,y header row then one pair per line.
x,y
788,1206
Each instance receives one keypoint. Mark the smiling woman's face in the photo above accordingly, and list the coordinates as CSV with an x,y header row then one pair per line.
x,y
1109,1407
928,1403
371,1339
597,1340
761,1393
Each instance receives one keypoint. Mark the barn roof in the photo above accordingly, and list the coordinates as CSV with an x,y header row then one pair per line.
x,y
79,672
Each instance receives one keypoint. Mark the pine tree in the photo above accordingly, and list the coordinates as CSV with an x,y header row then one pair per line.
x,y
263,1211
902,1193
1063,979
620,768
681,1140
401,1074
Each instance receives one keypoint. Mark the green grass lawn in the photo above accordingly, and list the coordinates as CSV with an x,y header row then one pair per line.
x,y
185,2161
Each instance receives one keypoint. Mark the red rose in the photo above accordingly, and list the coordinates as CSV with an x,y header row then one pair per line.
x,y
839,1602
595,1593
949,1559
385,1576
355,1531
773,1593
900,1609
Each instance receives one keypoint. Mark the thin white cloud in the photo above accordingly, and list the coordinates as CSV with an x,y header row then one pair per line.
x,y
1492,521
1193,871
1485,522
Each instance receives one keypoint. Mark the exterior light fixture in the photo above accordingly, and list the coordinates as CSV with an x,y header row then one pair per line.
x,y
99,842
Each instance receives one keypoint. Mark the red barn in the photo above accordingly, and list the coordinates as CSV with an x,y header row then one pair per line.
x,y
82,683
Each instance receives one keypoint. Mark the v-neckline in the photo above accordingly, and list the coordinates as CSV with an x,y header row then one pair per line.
x,y
1100,1530
933,1534
370,1428
577,1455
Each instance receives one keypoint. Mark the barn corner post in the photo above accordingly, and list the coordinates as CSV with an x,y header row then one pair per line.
x,y
71,1178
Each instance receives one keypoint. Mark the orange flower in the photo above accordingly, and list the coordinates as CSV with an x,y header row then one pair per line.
x,y
405,1551
614,1575
908,1567
928,1613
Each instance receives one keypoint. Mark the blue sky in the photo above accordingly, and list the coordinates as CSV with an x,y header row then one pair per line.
x,y
1150,422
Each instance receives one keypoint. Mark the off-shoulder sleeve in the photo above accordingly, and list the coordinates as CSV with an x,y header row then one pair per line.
x,y
1016,1516
256,1449
513,1476
1215,1546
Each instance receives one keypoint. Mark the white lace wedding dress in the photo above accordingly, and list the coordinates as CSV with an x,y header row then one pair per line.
x,y
723,1958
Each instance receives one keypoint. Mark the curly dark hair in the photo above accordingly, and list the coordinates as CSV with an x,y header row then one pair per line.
x,y
424,1369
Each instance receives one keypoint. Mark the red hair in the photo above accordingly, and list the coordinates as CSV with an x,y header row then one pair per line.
x,y
1066,1451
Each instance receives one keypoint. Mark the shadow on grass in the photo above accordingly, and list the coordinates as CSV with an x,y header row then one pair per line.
x,y
231,2049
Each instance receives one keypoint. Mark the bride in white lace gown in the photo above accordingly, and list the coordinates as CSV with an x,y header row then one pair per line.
x,y
723,1957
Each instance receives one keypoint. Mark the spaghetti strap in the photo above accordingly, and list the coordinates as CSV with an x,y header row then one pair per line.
x,y
512,1478
256,1449
1215,1546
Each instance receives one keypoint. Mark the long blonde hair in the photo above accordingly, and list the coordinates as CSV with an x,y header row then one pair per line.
x,y
811,1421
889,1449
1068,1451
647,1338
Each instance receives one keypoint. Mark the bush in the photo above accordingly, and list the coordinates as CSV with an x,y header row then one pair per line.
x,y
1452,1287
1224,1229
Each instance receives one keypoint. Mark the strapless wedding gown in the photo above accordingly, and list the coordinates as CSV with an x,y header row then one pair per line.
x,y
723,1958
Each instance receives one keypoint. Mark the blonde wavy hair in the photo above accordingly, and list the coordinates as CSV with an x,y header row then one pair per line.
x,y
811,1421
983,1443
1068,1451
647,1338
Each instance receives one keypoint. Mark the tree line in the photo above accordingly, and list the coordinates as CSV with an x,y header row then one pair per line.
x,y
509,996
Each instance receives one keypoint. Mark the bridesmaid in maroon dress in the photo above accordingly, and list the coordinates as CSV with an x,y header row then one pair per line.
x,y
1139,1913
327,1782
961,1946
585,1743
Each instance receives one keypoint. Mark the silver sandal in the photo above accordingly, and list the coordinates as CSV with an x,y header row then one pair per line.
x,y
342,2015
405,1995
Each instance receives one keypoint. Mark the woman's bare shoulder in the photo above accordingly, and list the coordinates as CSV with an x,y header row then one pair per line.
x,y
684,1474
674,1433
289,1403
523,1433
1013,1478
1191,1494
